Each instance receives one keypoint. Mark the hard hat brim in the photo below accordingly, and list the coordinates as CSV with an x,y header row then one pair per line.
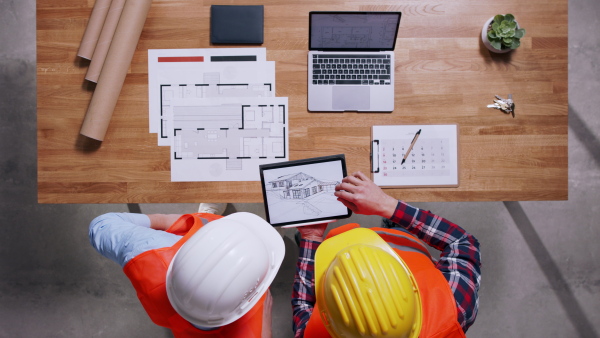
x,y
275,247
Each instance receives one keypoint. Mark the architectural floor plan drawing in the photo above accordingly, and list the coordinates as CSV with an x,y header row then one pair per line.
x,y
213,83
217,110
181,66
227,142
340,30
210,89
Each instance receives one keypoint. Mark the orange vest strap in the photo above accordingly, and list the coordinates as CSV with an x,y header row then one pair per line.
x,y
343,228
185,223
409,241
315,328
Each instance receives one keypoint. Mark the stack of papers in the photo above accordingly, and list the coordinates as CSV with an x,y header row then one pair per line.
x,y
216,108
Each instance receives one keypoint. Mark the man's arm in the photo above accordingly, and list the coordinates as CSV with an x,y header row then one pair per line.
x,y
460,261
122,236
303,293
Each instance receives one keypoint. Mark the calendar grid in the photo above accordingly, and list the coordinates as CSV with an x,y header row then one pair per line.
x,y
428,157
431,161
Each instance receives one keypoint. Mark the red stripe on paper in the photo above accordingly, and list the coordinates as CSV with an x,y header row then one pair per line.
x,y
181,59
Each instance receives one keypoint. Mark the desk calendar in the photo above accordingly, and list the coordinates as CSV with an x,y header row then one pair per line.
x,y
432,161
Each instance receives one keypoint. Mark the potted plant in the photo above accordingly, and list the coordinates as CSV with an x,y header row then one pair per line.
x,y
502,33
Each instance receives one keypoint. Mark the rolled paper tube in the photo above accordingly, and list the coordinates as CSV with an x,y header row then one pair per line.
x,y
92,31
115,69
106,36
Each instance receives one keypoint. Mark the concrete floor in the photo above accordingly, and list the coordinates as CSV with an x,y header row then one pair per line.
x,y
540,259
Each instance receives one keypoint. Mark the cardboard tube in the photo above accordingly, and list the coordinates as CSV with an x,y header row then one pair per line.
x,y
115,69
92,31
106,36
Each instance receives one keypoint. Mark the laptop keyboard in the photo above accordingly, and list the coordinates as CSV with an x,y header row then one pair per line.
x,y
348,69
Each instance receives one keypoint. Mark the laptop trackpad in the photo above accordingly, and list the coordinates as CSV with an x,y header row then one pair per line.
x,y
351,97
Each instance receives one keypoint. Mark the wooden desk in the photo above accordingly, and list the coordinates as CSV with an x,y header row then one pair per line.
x,y
444,75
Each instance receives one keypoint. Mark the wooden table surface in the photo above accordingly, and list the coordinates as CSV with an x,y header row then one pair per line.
x,y
444,75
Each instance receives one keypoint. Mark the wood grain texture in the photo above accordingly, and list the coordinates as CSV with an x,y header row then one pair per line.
x,y
444,75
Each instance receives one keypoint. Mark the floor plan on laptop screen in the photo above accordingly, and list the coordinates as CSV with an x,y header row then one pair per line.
x,y
349,30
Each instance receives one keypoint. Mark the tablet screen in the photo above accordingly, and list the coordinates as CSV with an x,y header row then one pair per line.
x,y
300,192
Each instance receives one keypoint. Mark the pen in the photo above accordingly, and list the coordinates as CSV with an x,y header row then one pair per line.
x,y
411,146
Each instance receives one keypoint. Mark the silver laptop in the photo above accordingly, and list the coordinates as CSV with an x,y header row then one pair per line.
x,y
351,61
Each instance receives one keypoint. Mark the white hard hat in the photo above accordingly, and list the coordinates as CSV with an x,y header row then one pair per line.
x,y
223,270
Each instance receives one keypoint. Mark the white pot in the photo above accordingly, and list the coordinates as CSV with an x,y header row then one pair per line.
x,y
487,43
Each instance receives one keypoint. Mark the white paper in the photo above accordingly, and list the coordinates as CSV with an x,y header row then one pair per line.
x,y
154,66
433,160
226,139
216,81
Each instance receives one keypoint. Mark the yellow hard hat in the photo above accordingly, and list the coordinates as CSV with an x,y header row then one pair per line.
x,y
364,289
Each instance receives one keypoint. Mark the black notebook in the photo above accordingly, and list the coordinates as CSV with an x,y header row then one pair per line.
x,y
236,24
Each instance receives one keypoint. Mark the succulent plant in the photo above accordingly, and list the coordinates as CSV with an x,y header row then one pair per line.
x,y
503,32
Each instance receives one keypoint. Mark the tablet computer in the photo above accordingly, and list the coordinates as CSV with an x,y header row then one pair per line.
x,y
298,193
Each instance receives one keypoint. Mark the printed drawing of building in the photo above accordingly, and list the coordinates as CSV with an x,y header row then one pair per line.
x,y
299,186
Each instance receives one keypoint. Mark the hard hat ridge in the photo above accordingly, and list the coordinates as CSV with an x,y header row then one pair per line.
x,y
364,288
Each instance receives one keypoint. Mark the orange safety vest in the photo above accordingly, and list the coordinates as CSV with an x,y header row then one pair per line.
x,y
439,307
148,270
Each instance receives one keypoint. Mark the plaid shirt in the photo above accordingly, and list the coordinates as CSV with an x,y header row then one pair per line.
x,y
459,262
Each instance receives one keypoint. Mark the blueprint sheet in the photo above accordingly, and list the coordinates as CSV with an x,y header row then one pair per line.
x,y
217,83
188,60
227,142
216,108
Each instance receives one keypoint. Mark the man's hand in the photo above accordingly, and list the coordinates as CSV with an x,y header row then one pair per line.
x,y
315,232
362,196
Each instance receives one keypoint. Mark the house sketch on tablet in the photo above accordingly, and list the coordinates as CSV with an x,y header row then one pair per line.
x,y
299,193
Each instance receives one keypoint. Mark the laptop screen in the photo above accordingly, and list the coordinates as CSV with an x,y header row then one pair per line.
x,y
353,31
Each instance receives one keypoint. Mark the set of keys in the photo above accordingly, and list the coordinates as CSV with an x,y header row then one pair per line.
x,y
506,106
